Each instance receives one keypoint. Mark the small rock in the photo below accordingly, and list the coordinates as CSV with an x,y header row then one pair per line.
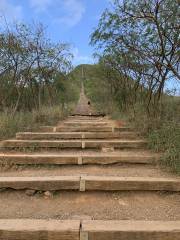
x,y
30,192
48,194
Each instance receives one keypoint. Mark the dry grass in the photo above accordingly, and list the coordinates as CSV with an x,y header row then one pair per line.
x,y
162,131
23,121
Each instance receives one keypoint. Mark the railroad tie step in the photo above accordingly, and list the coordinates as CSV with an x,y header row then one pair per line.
x,y
35,159
52,183
79,143
107,157
91,183
83,129
86,123
126,230
75,135
28,229
111,183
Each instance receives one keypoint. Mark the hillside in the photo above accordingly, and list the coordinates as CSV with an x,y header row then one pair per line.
x,y
97,82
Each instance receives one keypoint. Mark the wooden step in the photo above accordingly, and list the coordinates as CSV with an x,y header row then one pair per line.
x,y
41,183
114,143
53,135
77,117
130,230
84,129
91,129
87,124
103,183
79,158
83,144
75,135
91,183
82,123
87,120
39,158
33,229
41,144
120,157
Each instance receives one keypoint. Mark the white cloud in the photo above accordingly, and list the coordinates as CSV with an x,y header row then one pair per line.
x,y
10,11
67,12
81,59
40,5
74,12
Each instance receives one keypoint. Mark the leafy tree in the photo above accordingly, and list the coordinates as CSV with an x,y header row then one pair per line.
x,y
140,40
30,64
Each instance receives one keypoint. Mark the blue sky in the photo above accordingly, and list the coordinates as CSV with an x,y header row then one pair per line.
x,y
67,20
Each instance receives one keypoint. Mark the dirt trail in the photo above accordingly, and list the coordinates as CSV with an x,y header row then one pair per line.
x,y
152,193
84,106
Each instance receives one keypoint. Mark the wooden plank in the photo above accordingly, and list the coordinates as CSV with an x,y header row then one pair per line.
x,y
26,229
115,143
130,230
110,135
41,183
99,183
73,143
86,118
109,183
41,143
30,159
84,129
74,158
74,135
118,159
87,123
54,135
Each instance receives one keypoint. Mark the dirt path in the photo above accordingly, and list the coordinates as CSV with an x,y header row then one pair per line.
x,y
84,106
96,205
100,162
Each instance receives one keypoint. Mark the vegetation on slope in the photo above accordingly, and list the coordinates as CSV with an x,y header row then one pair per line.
x,y
33,69
34,83
137,43
162,129
138,46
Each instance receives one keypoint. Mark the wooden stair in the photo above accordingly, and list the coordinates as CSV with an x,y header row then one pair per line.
x,y
76,145
78,158
87,230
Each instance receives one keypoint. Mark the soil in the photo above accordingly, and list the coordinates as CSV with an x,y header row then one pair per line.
x,y
121,170
91,205
122,205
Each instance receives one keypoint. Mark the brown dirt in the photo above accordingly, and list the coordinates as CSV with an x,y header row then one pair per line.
x,y
95,205
129,205
121,170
